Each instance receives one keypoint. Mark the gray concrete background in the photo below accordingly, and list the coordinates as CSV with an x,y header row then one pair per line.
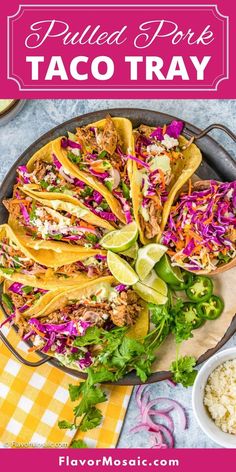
x,y
39,116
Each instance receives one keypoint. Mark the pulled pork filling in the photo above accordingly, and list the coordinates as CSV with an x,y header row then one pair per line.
x,y
52,177
156,155
101,155
18,298
42,222
13,260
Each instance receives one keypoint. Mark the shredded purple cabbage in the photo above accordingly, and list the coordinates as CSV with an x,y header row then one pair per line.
x,y
65,143
174,129
85,361
16,287
121,288
56,163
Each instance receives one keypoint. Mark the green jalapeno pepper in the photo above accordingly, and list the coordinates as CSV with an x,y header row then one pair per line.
x,y
191,315
212,308
201,289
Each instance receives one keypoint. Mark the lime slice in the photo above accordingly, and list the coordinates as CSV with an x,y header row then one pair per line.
x,y
168,273
121,270
156,283
147,258
132,252
120,240
149,295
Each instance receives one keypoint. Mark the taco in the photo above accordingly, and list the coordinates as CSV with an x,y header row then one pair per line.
x,y
201,228
23,300
98,154
163,161
34,217
56,265
44,177
102,305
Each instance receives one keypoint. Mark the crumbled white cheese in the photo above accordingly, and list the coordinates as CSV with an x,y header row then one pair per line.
x,y
75,151
37,340
220,396
49,177
46,227
155,149
169,142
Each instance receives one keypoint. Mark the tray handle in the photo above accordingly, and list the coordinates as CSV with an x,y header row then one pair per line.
x,y
209,128
19,357
16,354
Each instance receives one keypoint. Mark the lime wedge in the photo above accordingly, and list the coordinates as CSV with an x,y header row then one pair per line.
x,y
168,273
120,240
156,283
148,256
149,295
120,269
132,252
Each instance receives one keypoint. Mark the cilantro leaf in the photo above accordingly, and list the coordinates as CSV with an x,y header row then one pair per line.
x,y
91,396
102,154
8,302
87,192
99,376
73,157
78,444
91,336
7,270
66,425
125,190
33,211
92,238
75,391
92,419
183,370
27,289
44,184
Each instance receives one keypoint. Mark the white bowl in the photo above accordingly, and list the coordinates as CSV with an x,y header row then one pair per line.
x,y
200,411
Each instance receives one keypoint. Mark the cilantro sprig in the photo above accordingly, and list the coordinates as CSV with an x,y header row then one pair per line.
x,y
120,354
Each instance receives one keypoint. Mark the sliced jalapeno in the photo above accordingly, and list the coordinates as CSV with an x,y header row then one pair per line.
x,y
212,308
191,315
201,289
188,281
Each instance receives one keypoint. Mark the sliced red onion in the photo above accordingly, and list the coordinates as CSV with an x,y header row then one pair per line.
x,y
178,408
115,175
66,176
99,175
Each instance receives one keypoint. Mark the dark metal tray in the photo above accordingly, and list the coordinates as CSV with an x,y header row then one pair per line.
x,y
217,164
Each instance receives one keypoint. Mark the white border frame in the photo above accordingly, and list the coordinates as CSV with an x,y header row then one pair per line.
x,y
212,7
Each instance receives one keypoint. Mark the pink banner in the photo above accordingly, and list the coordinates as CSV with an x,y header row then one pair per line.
x,y
57,460
117,50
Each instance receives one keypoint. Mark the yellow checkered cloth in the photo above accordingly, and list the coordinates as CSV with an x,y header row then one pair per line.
x,y
33,400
